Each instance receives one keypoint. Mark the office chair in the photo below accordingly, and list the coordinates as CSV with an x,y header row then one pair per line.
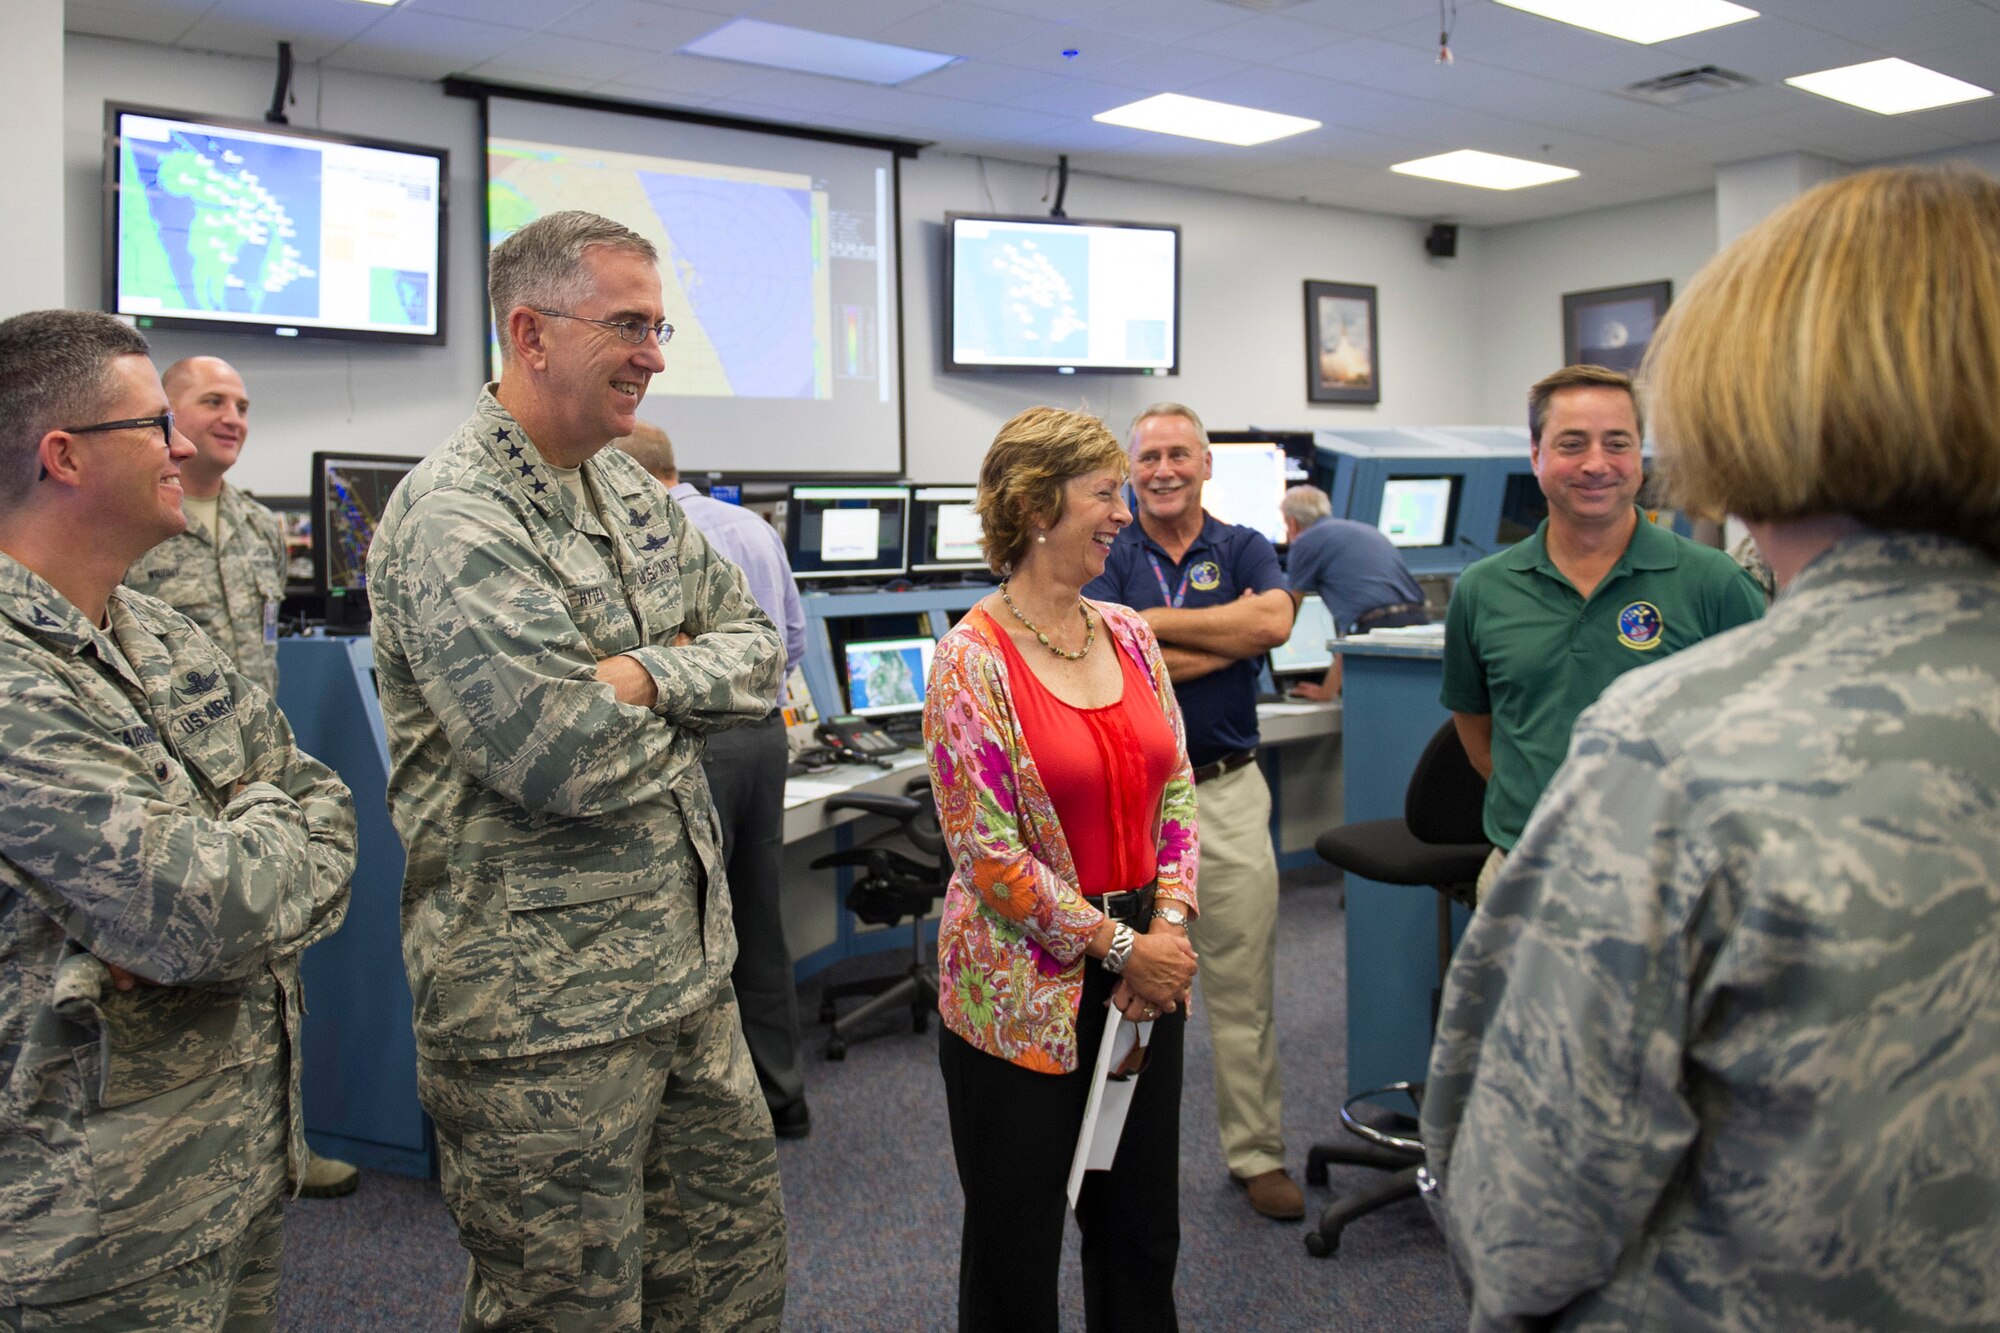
x,y
891,887
1439,843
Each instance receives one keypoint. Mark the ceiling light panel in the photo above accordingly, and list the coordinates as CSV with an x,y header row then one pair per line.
x,y
779,46
1890,87
1199,118
1488,171
1645,23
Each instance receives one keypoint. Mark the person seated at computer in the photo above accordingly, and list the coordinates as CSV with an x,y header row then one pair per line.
x,y
1067,801
1356,570
1721,1049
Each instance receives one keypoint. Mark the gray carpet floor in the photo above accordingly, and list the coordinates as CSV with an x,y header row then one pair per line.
x,y
873,1201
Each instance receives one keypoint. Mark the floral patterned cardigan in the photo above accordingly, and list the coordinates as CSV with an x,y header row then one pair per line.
x,y
1011,943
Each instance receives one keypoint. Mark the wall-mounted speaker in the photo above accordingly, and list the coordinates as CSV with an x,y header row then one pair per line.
x,y
1442,240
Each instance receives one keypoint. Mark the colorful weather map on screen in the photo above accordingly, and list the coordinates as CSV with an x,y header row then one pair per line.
x,y
743,260
235,225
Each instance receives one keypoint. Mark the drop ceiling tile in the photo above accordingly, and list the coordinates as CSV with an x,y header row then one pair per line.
x,y
1970,122
985,81
1906,26
970,30
161,21
1767,49
1271,89
1061,11
637,23
1097,52
672,75
530,14
573,57
1356,60
849,18
1163,20
250,27
1079,99
1358,16
1860,136
416,45
1267,37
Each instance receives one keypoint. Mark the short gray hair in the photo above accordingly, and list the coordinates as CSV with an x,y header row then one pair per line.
x,y
541,265
650,449
54,368
1164,409
1305,505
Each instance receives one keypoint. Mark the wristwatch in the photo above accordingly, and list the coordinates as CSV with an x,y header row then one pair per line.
x,y
1173,916
1120,952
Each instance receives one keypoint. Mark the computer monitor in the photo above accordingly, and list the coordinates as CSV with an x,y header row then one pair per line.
x,y
1245,485
840,532
1419,511
886,677
944,530
1522,508
349,493
1306,653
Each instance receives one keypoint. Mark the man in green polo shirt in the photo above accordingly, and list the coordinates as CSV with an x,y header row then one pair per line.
x,y
1535,633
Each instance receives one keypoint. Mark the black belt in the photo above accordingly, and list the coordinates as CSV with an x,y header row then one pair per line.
x,y
1130,906
1229,763
1384,612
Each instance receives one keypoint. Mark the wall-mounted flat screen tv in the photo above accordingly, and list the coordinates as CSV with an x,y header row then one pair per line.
x,y
1055,294
246,227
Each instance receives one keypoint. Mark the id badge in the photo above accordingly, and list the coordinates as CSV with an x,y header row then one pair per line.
x,y
270,622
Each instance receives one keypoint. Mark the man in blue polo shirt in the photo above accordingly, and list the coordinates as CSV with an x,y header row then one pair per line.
x,y
1215,596
1356,570
1535,633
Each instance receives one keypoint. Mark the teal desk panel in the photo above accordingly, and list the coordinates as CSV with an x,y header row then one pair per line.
x,y
1391,710
360,1071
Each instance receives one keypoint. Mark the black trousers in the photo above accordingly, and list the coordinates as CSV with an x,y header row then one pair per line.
x,y
746,777
1013,1132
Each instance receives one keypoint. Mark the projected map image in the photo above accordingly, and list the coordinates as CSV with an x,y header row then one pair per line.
x,y
226,224
1033,289
744,256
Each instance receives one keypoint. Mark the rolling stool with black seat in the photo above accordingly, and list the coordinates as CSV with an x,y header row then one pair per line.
x,y
1439,843
892,887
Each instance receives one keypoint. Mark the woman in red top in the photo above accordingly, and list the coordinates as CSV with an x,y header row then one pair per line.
x,y
1067,803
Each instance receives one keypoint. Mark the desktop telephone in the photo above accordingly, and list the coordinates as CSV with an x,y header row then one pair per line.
x,y
848,734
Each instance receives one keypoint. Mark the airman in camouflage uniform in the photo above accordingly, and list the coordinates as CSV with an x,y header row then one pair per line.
x,y
227,573
166,853
1721,1048
228,582
553,641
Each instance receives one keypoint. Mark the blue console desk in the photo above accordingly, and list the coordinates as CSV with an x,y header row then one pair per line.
x,y
1390,694
360,1068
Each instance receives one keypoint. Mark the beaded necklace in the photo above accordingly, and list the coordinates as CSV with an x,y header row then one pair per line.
x,y
1083,609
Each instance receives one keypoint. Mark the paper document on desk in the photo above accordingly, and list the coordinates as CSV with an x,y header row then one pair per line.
x,y
1110,1099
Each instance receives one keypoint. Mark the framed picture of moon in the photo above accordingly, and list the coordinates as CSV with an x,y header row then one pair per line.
x,y
1612,325
1343,361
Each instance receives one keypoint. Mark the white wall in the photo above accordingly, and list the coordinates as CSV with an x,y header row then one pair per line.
x,y
1525,269
31,223
1243,269
305,395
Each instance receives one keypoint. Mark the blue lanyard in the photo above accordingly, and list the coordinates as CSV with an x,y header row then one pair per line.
x,y
1173,599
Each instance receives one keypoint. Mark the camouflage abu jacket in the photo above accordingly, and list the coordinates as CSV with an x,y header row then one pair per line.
x,y
1721,1048
564,883
232,592
157,816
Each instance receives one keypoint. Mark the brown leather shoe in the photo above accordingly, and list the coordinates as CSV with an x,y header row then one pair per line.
x,y
1275,1194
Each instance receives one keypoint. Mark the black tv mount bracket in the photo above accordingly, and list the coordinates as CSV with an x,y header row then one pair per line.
x,y
276,115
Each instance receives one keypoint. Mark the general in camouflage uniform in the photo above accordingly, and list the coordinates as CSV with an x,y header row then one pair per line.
x,y
166,853
553,641
1721,1049
227,571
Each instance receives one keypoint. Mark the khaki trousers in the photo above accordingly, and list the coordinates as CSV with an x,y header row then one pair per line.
x,y
1236,935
